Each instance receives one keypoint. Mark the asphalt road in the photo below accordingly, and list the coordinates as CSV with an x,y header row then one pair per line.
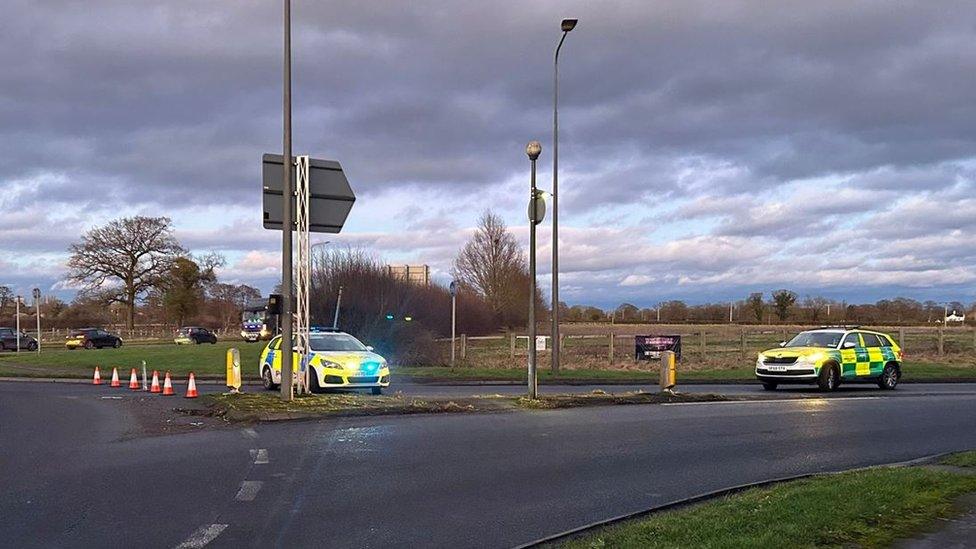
x,y
77,469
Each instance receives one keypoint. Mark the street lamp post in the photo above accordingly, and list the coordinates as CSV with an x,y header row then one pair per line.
x,y
335,319
533,150
36,292
566,26
286,217
454,288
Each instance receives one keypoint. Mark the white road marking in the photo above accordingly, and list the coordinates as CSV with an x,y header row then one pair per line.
x,y
112,398
249,490
260,456
769,401
204,535
249,433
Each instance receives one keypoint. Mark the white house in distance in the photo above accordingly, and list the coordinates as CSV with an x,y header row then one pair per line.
x,y
955,318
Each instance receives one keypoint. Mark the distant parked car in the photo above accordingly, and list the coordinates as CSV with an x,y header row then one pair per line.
x,y
195,334
92,338
8,340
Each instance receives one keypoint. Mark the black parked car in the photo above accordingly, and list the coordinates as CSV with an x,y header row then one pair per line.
x,y
195,334
92,338
8,340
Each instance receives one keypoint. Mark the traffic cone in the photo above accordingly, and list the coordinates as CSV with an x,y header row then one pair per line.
x,y
191,387
167,386
97,380
115,378
154,388
134,381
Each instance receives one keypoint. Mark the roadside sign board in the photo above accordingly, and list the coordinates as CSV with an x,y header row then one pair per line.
x,y
650,347
330,196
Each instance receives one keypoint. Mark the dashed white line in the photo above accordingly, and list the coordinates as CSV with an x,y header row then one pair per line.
x,y
260,456
249,490
204,535
249,433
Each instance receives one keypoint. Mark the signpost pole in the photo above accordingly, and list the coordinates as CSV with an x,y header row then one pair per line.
x,y
286,218
37,311
533,150
304,273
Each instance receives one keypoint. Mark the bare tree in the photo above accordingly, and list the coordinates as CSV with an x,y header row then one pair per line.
x,y
184,285
123,260
755,304
492,264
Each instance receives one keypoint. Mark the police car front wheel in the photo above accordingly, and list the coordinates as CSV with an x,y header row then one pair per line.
x,y
267,380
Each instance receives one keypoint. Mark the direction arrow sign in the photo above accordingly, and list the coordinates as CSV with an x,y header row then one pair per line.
x,y
331,197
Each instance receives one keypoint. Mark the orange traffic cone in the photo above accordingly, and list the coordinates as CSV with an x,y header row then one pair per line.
x,y
167,386
154,388
134,381
115,378
191,387
97,380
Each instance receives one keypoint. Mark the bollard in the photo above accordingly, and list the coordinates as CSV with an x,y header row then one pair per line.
x,y
668,371
233,367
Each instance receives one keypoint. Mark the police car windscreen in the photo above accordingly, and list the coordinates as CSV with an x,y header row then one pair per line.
x,y
334,342
816,339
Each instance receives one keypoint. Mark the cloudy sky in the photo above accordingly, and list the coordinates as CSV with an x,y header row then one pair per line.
x,y
708,149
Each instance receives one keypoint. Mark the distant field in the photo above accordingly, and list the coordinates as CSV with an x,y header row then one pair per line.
x,y
179,359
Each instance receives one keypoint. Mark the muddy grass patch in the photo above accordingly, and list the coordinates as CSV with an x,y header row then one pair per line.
x,y
268,407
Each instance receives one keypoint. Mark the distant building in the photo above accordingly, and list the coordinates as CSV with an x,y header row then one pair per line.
x,y
418,274
955,318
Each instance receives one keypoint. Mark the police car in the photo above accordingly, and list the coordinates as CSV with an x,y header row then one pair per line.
x,y
829,356
337,361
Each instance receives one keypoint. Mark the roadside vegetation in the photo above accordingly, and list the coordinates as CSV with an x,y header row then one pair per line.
x,y
262,406
869,508
962,459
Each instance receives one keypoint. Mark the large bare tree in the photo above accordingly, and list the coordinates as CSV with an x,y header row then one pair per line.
x,y
493,264
125,259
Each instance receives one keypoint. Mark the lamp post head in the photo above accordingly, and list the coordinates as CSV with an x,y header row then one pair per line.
x,y
533,149
569,24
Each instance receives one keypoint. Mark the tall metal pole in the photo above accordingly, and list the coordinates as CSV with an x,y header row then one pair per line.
x,y
286,217
37,311
566,25
453,318
533,150
335,320
18,324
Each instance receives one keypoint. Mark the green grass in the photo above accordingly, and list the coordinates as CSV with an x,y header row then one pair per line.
x,y
179,359
861,509
962,459
208,360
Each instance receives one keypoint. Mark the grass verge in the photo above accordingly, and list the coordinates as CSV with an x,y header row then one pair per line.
x,y
962,459
269,407
860,509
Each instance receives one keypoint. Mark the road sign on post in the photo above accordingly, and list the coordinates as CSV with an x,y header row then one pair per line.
x,y
330,196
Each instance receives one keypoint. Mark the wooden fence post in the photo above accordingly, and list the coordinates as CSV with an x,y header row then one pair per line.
x,y
512,347
742,341
703,344
464,346
901,338
974,339
941,341
611,349
562,342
